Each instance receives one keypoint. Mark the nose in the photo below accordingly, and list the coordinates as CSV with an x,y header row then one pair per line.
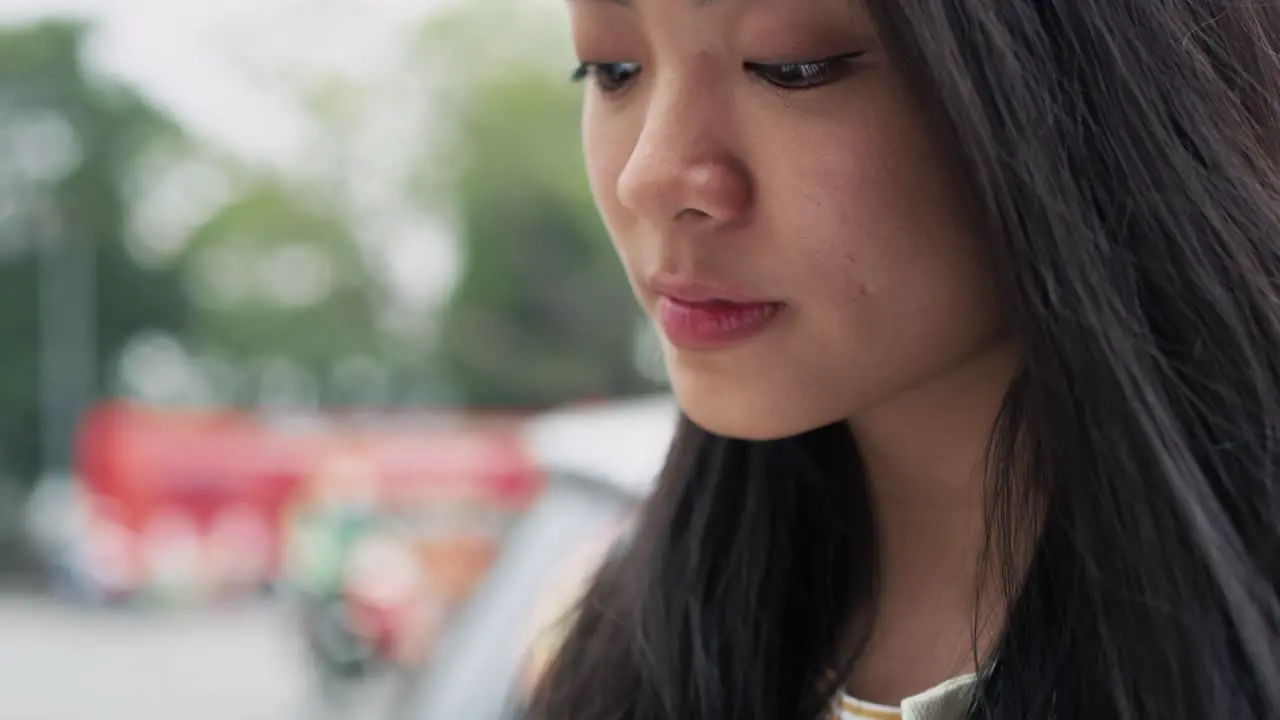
x,y
683,167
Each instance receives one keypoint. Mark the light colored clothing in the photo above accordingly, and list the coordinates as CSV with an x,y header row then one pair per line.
x,y
947,701
848,708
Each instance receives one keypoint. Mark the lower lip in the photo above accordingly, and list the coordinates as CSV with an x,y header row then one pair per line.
x,y
715,324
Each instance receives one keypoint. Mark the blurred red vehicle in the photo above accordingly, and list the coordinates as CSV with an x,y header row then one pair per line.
x,y
187,502
203,503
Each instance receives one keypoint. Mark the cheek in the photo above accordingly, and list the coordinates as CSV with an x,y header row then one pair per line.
x,y
606,152
900,286
607,149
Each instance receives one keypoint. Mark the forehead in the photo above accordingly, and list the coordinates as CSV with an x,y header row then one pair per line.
x,y
767,22
774,8
778,10
629,3
776,4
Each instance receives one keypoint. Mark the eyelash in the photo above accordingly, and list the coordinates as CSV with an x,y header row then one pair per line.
x,y
596,72
805,75
802,76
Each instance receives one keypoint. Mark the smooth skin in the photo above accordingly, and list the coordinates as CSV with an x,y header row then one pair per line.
x,y
770,147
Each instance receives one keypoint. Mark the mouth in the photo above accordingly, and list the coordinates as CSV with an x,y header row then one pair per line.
x,y
714,323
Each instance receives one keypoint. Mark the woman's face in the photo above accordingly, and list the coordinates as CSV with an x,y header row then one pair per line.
x,y
782,211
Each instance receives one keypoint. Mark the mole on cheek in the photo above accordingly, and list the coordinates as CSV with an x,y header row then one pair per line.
x,y
862,287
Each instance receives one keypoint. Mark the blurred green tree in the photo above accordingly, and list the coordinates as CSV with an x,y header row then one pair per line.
x,y
277,277
71,296
542,313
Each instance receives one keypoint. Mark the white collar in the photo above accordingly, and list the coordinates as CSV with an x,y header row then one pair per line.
x,y
946,701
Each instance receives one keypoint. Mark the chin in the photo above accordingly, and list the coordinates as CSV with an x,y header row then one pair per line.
x,y
749,413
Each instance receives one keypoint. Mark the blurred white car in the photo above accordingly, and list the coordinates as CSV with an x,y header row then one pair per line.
x,y
600,462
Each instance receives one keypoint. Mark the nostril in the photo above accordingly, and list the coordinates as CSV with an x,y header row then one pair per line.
x,y
692,214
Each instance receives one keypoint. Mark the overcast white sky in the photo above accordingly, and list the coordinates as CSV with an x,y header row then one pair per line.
x,y
182,53
195,58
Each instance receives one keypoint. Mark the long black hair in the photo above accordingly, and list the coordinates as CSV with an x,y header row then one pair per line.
x,y
1125,156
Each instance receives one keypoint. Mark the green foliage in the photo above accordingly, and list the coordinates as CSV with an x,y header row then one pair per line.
x,y
280,275
67,145
542,313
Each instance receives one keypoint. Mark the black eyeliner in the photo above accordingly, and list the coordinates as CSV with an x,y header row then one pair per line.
x,y
842,57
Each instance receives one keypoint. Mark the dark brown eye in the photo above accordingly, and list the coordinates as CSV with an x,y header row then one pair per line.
x,y
608,77
805,75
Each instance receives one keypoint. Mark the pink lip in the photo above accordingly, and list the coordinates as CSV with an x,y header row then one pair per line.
x,y
712,324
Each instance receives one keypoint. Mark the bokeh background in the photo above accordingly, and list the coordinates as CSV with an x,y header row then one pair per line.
x,y
279,283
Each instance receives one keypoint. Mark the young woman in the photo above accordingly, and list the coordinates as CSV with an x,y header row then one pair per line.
x,y
973,310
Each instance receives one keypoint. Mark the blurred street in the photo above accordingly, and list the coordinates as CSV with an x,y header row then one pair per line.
x,y
324,313
66,663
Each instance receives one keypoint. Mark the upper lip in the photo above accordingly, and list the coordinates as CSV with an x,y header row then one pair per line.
x,y
697,290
